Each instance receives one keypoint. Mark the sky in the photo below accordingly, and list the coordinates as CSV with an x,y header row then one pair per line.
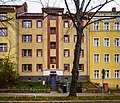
x,y
34,6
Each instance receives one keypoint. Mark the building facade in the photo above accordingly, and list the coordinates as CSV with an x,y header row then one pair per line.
x,y
44,46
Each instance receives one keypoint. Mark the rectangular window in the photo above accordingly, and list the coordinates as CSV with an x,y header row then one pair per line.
x,y
52,17
52,60
106,57
66,67
39,38
3,16
66,52
96,26
66,24
39,52
107,74
39,67
81,67
117,73
27,67
96,74
82,53
116,26
52,30
96,57
39,23
106,42
75,38
27,23
3,47
106,26
96,41
117,57
116,41
66,38
27,38
27,52
52,45
3,31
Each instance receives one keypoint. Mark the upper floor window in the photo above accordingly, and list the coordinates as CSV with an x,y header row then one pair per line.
x,y
107,74
27,67
52,30
52,45
39,23
27,52
27,38
117,73
82,53
66,38
66,67
27,23
3,16
96,57
3,31
66,24
106,26
81,67
96,26
52,60
106,57
117,41
3,47
39,67
66,53
39,52
52,17
116,26
101,14
106,42
117,57
96,74
96,41
39,38
75,38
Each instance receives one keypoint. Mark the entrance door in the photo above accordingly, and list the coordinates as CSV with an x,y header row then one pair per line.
x,y
52,80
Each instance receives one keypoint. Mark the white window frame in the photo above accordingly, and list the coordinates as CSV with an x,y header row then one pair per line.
x,y
39,52
107,73
28,67
66,52
106,42
66,38
3,16
39,67
96,41
116,57
39,23
27,38
117,73
96,58
106,26
3,47
66,24
27,23
3,32
39,38
116,25
117,41
106,58
96,26
96,74
27,52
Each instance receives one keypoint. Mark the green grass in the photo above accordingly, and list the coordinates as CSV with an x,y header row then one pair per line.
x,y
59,98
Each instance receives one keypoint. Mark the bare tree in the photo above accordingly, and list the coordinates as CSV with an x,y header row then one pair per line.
x,y
80,15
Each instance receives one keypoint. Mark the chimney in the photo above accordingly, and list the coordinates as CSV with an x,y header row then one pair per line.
x,y
114,9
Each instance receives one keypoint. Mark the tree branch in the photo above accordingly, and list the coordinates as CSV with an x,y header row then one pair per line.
x,y
87,6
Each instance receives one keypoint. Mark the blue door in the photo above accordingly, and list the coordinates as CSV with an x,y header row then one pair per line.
x,y
52,80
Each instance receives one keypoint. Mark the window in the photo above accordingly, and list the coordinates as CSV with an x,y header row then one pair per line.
x,y
27,52
66,24
101,14
52,60
75,38
3,16
96,57
96,74
52,17
39,52
106,42
106,57
116,26
107,74
117,57
96,26
66,67
39,38
117,41
66,53
39,23
117,73
3,47
27,67
81,67
39,67
66,38
52,30
96,41
82,53
3,31
52,45
27,38
27,23
106,26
